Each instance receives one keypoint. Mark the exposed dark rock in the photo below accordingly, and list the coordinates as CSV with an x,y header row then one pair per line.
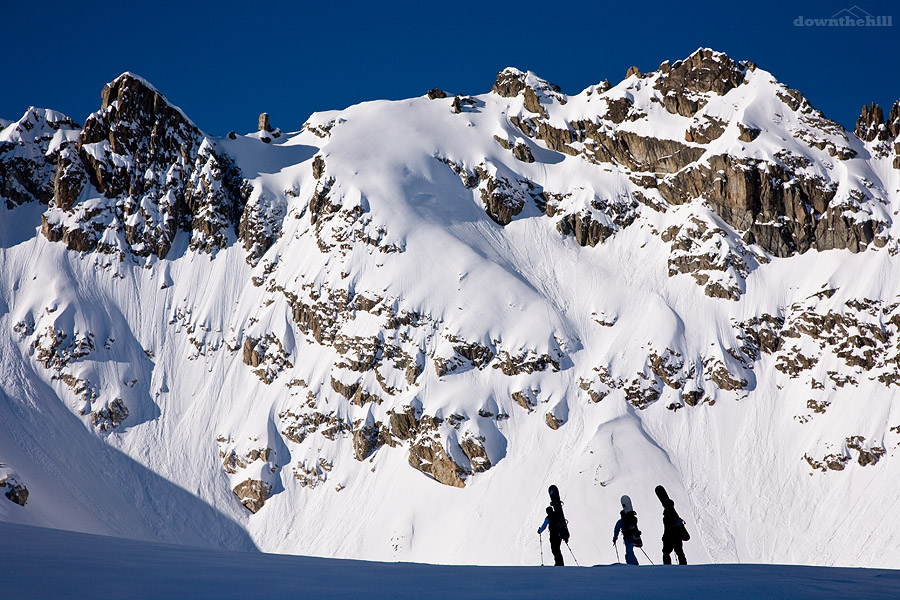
x,y
782,211
636,152
509,83
110,416
525,399
29,166
427,455
870,124
524,361
761,334
633,71
263,124
685,82
552,421
502,198
314,475
748,134
259,226
693,397
164,173
719,374
618,109
365,439
404,425
868,456
893,120
318,166
297,427
473,448
588,230
533,103
253,493
320,204
266,355
435,93
523,153
13,489
707,130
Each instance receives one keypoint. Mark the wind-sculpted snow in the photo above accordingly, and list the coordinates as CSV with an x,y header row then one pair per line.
x,y
385,335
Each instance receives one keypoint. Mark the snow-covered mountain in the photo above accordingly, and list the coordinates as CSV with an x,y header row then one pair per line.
x,y
385,335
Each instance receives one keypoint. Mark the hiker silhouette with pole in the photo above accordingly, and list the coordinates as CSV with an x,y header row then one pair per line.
x,y
554,522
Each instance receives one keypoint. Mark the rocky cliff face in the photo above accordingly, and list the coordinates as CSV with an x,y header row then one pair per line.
x,y
140,172
780,202
30,150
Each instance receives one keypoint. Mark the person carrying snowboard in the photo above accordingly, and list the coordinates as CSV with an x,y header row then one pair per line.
x,y
674,531
556,525
631,535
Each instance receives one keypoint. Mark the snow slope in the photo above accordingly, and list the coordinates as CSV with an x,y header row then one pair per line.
x,y
45,563
416,339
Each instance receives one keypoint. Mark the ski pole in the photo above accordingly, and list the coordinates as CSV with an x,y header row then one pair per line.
x,y
572,553
617,553
648,558
540,537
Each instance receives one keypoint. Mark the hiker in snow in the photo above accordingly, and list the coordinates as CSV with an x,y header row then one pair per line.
x,y
674,531
554,523
631,535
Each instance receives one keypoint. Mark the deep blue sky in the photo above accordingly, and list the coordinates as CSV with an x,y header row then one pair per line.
x,y
225,62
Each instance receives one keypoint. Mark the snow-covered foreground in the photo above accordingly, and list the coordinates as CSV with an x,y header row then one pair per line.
x,y
47,563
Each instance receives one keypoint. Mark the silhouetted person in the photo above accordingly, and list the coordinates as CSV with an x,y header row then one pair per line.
x,y
674,531
554,523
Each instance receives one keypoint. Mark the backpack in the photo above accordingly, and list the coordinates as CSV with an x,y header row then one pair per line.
x,y
630,528
683,532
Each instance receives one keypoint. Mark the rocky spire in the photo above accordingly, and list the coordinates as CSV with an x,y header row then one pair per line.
x,y
870,124
161,173
264,122
702,72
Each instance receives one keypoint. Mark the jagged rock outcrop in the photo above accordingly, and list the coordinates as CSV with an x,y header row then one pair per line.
x,y
263,123
429,456
774,204
253,493
511,82
502,198
267,357
30,151
684,82
365,439
783,211
12,488
871,126
158,172
110,416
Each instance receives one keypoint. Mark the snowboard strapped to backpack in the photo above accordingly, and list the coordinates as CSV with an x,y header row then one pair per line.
x,y
630,523
556,503
679,529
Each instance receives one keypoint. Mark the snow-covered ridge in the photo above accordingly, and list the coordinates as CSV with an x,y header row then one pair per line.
x,y
408,318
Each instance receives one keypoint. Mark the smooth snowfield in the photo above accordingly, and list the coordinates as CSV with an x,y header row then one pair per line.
x,y
47,563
